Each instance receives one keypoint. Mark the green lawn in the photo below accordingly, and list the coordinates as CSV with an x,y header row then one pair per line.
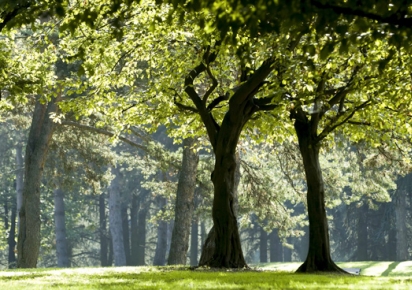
x,y
375,275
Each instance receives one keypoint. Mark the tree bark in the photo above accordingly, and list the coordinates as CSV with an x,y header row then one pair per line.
x,y
62,249
184,204
115,219
161,245
263,246
319,257
194,242
11,239
40,134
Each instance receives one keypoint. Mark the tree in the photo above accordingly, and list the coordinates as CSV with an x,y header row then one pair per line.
x,y
184,204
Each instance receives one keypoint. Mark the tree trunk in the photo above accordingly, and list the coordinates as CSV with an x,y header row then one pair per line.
x,y
184,204
401,230
287,251
275,250
141,237
19,180
126,234
318,258
104,245
263,246
115,219
62,249
161,245
194,243
362,233
134,211
41,131
11,239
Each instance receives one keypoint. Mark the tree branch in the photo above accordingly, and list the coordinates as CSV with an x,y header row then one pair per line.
x,y
217,101
206,117
212,88
330,128
393,19
9,16
103,132
180,105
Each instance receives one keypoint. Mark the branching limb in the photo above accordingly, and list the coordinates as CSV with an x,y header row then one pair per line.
x,y
332,126
213,87
180,105
207,118
265,104
217,101
103,132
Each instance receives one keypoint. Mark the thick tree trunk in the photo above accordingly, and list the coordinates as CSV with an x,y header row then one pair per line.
x,y
318,258
62,249
362,233
104,240
222,248
41,131
263,246
275,250
115,219
184,204
161,245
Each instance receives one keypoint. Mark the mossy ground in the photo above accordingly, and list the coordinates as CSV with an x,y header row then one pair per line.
x,y
375,275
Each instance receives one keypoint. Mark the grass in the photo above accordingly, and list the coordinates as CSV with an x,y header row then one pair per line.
x,y
375,275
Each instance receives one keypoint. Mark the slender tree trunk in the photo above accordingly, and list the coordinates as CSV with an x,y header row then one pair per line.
x,y
194,243
19,180
141,237
41,131
161,245
362,233
275,250
134,211
263,246
287,252
115,219
318,258
184,204
104,245
62,249
203,234
11,239
126,234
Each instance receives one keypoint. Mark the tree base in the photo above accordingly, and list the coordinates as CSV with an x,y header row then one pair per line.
x,y
310,266
210,259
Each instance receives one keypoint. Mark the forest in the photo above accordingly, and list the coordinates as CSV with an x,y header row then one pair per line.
x,y
218,134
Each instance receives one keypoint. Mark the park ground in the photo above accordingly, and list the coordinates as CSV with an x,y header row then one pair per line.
x,y
374,275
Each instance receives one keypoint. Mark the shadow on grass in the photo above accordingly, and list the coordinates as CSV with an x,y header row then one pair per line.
x,y
21,277
390,268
